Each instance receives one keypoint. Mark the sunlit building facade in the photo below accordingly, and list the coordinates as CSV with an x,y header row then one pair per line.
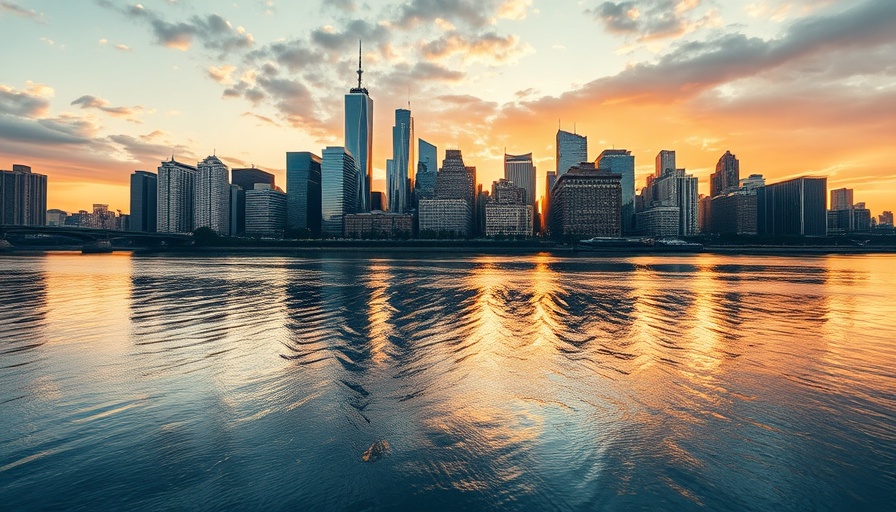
x,y
621,162
520,170
449,217
586,202
402,162
572,149
727,176
427,168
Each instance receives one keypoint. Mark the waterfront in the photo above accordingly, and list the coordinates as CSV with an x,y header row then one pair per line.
x,y
536,381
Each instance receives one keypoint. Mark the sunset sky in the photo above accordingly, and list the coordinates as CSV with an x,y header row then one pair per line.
x,y
91,91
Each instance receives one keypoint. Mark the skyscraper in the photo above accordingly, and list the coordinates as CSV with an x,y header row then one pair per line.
x,y
390,182
792,207
177,184
427,167
572,149
519,170
621,161
842,199
727,176
212,196
359,137
303,191
23,197
245,180
665,162
265,211
339,179
144,201
586,202
403,161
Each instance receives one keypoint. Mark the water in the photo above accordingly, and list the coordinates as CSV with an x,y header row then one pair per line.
x,y
498,382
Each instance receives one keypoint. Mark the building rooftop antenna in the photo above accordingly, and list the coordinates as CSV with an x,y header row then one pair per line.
x,y
360,70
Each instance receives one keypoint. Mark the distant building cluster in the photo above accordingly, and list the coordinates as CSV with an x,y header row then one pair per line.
x,y
330,195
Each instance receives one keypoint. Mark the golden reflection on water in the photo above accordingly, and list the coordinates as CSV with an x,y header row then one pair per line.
x,y
380,314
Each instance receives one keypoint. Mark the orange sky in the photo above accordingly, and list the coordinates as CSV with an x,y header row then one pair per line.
x,y
792,88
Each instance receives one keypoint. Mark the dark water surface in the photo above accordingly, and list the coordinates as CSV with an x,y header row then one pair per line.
x,y
498,382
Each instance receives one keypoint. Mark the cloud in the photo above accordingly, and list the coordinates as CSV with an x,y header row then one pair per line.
x,y
221,74
471,13
32,102
92,102
354,30
486,47
20,11
212,31
123,47
262,119
650,19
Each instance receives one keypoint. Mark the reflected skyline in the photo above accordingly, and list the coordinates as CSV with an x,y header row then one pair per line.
x,y
536,382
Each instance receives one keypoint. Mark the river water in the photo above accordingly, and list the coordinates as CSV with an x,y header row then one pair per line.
x,y
497,382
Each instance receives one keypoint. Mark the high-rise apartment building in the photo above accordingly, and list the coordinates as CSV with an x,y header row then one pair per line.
x,y
672,189
520,170
572,149
144,201
176,187
665,162
621,161
427,168
23,197
359,138
842,199
211,200
586,202
402,162
507,212
793,207
339,180
303,192
727,176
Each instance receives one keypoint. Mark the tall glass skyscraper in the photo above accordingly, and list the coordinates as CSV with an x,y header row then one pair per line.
x,y
427,167
212,196
572,149
665,162
339,183
144,186
303,191
359,137
402,161
621,161
519,170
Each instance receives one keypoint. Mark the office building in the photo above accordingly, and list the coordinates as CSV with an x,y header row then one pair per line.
x,y
665,163
621,161
660,221
520,170
885,218
842,199
245,179
733,213
359,139
377,201
572,149
673,188
586,202
212,196
727,176
176,186
56,217
144,201
793,207
265,211
23,197
402,162
507,212
339,181
379,225
427,168
444,218
303,192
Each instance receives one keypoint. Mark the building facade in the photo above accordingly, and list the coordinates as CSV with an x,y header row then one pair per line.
x,y
660,221
23,197
265,211
245,179
586,202
339,197
621,162
665,162
144,201
212,196
303,192
727,176
519,170
402,162
176,186
444,217
572,149
427,168
378,225
793,207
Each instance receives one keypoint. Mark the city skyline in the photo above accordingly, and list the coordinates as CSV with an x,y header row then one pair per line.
x,y
130,85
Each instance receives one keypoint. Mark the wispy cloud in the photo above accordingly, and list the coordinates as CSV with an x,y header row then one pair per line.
x,y
92,102
22,12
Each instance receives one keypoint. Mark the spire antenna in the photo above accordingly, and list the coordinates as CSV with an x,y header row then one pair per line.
x,y
360,70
